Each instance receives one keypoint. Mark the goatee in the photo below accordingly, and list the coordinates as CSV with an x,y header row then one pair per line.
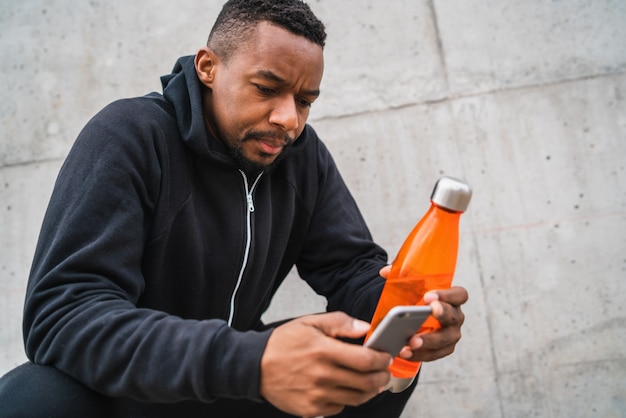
x,y
252,168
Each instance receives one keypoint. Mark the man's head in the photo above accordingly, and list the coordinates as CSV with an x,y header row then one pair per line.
x,y
239,17
262,69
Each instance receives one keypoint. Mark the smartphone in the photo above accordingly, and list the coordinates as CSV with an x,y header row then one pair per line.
x,y
397,327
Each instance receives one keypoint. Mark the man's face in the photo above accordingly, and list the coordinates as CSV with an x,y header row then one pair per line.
x,y
260,99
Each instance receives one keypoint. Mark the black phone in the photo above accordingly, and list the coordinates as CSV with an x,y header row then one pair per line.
x,y
397,327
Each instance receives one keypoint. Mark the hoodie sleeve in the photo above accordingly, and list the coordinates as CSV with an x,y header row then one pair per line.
x,y
339,258
81,312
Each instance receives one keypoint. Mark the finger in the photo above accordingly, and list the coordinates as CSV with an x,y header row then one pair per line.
x,y
348,387
407,351
326,409
350,356
359,358
435,339
336,387
323,409
350,397
456,295
338,324
445,305
435,344
384,272
448,315
443,348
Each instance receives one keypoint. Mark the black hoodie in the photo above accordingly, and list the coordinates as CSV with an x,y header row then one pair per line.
x,y
157,255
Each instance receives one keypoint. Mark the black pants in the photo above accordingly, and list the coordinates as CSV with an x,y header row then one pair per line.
x,y
34,391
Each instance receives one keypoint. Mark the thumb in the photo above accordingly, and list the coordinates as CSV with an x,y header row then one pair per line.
x,y
338,324
384,272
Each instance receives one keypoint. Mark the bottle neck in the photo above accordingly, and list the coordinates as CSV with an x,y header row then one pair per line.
x,y
444,209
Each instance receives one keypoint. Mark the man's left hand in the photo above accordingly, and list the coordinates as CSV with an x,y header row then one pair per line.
x,y
446,306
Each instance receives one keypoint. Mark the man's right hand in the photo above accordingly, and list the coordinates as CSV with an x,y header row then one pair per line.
x,y
307,371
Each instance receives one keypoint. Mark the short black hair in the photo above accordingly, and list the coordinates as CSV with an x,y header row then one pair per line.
x,y
239,17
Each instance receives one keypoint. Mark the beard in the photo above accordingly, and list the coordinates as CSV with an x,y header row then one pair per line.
x,y
252,168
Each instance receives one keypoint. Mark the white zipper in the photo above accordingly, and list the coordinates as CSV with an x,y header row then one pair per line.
x,y
249,210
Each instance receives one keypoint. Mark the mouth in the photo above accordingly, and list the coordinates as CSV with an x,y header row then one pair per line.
x,y
269,146
268,143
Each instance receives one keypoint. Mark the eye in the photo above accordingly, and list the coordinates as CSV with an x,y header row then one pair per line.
x,y
266,91
304,102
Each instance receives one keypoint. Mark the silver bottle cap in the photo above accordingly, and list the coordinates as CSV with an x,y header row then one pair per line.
x,y
451,194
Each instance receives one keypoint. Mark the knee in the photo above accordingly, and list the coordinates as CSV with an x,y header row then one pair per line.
x,y
32,390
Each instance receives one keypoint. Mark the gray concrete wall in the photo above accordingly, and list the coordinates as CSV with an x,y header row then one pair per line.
x,y
522,98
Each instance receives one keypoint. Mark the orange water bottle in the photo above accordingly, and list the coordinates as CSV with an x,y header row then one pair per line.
x,y
426,261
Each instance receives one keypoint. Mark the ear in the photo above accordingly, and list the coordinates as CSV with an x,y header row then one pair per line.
x,y
205,63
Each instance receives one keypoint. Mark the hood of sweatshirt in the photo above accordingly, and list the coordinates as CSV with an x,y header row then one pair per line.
x,y
183,90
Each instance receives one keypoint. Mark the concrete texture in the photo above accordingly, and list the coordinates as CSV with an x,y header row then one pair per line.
x,y
523,99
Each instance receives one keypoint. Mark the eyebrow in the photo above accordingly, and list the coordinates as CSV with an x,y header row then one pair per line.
x,y
270,75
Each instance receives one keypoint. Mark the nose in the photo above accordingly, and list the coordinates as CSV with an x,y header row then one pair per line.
x,y
285,114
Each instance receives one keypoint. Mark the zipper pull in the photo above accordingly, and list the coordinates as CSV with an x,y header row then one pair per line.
x,y
250,203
